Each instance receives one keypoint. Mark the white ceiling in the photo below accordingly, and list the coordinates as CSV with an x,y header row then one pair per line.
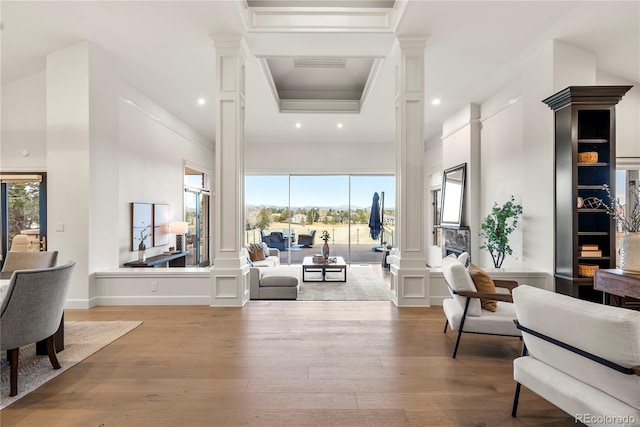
x,y
164,49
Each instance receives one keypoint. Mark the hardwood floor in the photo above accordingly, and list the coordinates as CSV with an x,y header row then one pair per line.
x,y
286,363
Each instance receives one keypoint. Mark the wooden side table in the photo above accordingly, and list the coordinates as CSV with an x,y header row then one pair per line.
x,y
619,283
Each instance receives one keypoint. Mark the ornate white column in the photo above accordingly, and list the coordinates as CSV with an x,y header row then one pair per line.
x,y
409,274
230,273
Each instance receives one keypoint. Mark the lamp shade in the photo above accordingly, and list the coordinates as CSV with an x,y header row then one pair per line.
x,y
179,227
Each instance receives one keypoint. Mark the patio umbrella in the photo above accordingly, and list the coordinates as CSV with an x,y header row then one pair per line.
x,y
375,224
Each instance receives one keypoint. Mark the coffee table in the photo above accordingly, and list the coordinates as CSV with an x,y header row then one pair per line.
x,y
309,266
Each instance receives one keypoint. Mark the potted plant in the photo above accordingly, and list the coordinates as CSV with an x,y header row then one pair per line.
x,y
325,248
144,233
627,220
496,228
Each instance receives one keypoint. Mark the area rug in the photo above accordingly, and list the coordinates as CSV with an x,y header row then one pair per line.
x,y
82,339
363,284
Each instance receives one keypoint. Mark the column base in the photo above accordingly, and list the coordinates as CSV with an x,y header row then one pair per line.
x,y
410,286
230,287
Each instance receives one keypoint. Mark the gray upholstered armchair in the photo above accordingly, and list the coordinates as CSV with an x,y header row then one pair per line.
x,y
31,312
307,240
29,260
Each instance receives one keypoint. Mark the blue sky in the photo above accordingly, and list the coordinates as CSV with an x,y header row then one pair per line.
x,y
318,190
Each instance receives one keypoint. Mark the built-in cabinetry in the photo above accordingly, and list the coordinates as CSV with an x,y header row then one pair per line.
x,y
584,163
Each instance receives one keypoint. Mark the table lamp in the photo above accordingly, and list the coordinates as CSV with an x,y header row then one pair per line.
x,y
180,228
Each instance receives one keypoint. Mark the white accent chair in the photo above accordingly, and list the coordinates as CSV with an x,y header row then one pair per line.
x,y
463,309
581,356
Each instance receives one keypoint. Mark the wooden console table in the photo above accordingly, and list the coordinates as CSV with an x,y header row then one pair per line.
x,y
172,260
618,283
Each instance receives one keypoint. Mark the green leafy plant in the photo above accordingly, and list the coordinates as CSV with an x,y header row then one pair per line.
x,y
496,228
325,236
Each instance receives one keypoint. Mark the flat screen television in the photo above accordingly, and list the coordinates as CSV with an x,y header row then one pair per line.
x,y
453,180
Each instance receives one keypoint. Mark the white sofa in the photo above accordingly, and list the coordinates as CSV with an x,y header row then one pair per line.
x,y
273,283
267,281
273,260
583,357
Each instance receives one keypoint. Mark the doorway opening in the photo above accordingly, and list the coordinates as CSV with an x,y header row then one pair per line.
x,y
24,212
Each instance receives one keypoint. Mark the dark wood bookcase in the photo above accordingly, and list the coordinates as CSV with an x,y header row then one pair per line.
x,y
584,123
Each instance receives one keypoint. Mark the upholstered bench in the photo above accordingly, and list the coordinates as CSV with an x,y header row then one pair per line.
x,y
273,283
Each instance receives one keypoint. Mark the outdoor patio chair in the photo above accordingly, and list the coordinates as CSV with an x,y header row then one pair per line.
x,y
275,240
289,234
307,240
28,260
19,243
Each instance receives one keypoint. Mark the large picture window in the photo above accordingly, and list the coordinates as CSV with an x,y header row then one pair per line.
x,y
290,212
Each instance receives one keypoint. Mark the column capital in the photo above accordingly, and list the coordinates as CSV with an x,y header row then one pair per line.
x,y
230,41
412,41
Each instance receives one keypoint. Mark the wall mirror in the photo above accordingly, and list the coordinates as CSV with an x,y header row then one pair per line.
x,y
453,196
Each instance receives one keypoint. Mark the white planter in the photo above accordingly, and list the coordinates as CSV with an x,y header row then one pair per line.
x,y
630,252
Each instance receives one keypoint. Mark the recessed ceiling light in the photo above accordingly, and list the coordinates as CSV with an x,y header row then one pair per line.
x,y
298,125
339,125
202,101
436,101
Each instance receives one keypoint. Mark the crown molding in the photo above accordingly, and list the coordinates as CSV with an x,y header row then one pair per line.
x,y
266,72
319,106
321,19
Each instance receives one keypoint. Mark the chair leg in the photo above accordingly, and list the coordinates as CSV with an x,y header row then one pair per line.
x,y
455,349
446,323
13,358
464,316
51,351
516,397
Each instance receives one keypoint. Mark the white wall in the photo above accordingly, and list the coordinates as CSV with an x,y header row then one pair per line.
x,y
502,164
151,162
627,114
68,163
96,168
327,159
461,144
24,125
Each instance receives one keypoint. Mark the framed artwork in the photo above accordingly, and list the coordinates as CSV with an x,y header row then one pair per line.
x,y
160,224
141,225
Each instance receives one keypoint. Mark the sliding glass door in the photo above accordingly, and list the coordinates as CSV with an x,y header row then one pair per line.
x,y
364,246
290,212
197,202
319,203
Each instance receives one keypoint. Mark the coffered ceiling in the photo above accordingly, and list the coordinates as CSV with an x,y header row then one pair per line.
x,y
320,84
309,53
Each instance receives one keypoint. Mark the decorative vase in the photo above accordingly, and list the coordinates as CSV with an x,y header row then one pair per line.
x,y
325,250
630,252
141,254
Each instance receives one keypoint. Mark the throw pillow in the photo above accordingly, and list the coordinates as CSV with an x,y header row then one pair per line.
x,y
265,249
484,284
256,253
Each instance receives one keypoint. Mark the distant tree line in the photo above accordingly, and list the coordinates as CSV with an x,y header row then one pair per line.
x,y
267,215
